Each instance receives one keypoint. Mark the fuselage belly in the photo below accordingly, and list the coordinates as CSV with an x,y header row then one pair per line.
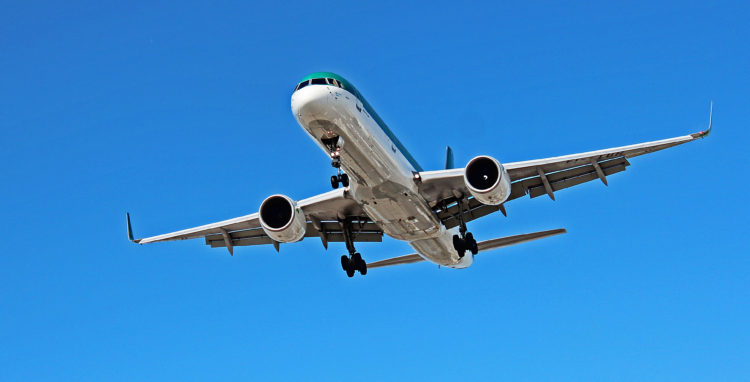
x,y
382,178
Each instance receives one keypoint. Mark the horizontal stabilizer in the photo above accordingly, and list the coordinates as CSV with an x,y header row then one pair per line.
x,y
482,246
407,259
517,239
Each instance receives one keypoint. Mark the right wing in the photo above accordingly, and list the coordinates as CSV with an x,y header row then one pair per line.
x,y
538,177
482,246
325,214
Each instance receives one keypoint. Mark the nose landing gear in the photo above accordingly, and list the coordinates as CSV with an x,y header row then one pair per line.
x,y
334,148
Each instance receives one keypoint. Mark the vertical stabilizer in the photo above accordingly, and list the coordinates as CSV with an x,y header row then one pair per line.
x,y
448,158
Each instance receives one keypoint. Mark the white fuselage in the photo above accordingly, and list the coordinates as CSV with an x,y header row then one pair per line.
x,y
381,177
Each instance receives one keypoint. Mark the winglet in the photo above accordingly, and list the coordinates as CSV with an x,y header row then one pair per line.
x,y
130,229
705,133
448,158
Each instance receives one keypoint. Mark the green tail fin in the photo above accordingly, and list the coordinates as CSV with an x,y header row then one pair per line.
x,y
448,158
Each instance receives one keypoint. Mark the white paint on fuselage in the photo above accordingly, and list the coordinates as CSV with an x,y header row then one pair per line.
x,y
381,178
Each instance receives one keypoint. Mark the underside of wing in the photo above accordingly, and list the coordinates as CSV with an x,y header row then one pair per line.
x,y
444,189
326,216
362,229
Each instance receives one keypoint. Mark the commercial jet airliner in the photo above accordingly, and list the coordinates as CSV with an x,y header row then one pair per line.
x,y
385,191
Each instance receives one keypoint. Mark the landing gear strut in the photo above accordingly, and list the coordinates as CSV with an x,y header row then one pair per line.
x,y
465,241
354,261
335,151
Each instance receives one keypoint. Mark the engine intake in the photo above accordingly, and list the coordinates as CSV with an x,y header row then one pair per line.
x,y
487,180
281,219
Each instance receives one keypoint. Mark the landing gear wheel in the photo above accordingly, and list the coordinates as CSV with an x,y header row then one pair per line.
x,y
345,263
353,262
359,264
471,244
344,180
348,265
334,181
459,245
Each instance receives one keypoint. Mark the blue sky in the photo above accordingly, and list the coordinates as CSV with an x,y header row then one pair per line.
x,y
181,115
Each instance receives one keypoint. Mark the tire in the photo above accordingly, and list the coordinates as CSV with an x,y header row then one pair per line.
x,y
345,180
471,244
345,263
359,264
457,243
350,272
334,182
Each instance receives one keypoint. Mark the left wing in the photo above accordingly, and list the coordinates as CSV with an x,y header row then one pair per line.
x,y
325,214
537,177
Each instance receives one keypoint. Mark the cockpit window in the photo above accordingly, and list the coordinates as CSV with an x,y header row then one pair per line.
x,y
320,81
302,85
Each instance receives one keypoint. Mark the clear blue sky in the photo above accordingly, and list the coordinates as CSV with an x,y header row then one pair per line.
x,y
181,115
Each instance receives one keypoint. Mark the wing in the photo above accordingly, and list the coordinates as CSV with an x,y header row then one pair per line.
x,y
537,177
325,214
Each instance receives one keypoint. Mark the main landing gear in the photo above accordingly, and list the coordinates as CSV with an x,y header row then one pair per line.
x,y
340,178
335,150
465,241
353,262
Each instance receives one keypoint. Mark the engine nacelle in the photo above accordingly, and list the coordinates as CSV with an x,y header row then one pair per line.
x,y
281,219
487,180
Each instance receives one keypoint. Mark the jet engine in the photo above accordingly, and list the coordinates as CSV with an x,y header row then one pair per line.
x,y
487,180
282,220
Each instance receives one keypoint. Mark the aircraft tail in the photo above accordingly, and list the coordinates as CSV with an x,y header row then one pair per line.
x,y
449,158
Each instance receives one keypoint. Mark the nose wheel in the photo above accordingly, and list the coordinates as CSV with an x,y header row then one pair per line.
x,y
335,151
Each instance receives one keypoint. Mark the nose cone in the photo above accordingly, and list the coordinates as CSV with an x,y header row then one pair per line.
x,y
311,102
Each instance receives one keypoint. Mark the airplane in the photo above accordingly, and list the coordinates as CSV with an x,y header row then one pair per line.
x,y
385,190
